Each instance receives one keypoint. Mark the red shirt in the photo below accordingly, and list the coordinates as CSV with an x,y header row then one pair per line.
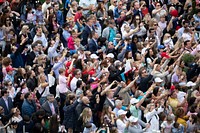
x,y
78,15
145,11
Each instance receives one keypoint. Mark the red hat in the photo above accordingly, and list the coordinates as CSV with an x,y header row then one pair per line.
x,y
9,68
68,64
164,54
178,27
174,13
172,88
91,72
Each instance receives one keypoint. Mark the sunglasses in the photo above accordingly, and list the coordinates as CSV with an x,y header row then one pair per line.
x,y
144,71
9,84
155,24
115,2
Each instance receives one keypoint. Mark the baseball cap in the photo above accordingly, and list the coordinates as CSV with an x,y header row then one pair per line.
x,y
68,64
9,68
81,48
164,54
94,56
190,84
134,100
110,55
158,80
172,88
117,63
161,47
174,13
133,119
182,84
121,112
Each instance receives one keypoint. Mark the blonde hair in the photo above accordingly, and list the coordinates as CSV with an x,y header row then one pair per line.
x,y
140,45
40,58
85,116
151,22
166,36
24,28
40,78
148,107
74,3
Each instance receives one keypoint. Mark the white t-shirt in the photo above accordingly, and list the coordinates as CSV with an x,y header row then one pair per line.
x,y
180,96
167,127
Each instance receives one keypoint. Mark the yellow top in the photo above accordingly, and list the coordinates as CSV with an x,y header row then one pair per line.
x,y
173,103
182,121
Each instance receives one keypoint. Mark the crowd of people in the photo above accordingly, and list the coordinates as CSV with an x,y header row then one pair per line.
x,y
99,66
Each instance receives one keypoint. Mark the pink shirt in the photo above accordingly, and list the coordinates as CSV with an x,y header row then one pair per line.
x,y
70,43
62,84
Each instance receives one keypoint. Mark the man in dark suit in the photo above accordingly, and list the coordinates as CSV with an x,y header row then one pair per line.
x,y
109,101
87,32
83,104
93,45
6,102
31,57
50,106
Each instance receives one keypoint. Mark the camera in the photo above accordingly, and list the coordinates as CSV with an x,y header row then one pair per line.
x,y
68,52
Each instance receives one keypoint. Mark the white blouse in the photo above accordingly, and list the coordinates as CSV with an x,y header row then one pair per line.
x,y
121,125
153,118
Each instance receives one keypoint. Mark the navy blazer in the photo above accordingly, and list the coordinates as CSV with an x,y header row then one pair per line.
x,y
3,104
93,46
30,57
85,35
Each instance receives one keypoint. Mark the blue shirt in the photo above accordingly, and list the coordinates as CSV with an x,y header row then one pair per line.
x,y
9,77
60,19
66,34
117,13
112,35
67,2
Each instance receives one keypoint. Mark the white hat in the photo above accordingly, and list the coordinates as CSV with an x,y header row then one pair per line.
x,y
133,119
116,62
182,84
134,100
110,55
190,84
94,56
158,80
121,112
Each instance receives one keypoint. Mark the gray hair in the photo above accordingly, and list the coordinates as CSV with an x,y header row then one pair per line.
x,y
49,96
118,102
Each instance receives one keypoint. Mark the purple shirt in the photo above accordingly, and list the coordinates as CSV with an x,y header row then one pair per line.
x,y
175,78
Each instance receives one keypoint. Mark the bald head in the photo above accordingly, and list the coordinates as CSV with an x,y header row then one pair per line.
x,y
85,100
